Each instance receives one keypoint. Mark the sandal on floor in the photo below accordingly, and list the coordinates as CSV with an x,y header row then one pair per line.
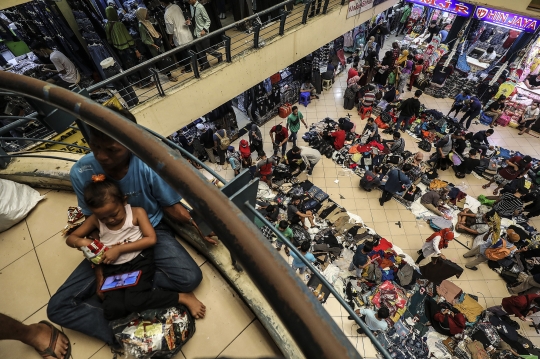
x,y
55,333
485,186
496,191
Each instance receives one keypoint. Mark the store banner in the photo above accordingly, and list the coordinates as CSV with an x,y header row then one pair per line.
x,y
506,19
358,6
459,8
71,136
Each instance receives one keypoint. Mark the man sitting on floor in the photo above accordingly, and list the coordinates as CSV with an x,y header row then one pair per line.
x,y
296,216
470,222
375,320
502,245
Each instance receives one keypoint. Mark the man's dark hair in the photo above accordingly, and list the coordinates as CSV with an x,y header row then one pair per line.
x,y
473,152
370,119
39,45
467,92
368,247
407,167
295,108
278,128
501,98
490,131
490,49
397,134
383,313
296,149
410,57
304,247
376,169
94,132
340,126
418,93
262,154
283,224
420,61
218,126
527,159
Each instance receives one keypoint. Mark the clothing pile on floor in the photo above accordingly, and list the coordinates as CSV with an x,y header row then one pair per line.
x,y
416,296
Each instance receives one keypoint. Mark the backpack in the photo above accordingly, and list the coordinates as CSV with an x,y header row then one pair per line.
x,y
225,141
496,254
424,145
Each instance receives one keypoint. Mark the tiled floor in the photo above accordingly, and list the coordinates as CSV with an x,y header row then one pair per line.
x,y
34,261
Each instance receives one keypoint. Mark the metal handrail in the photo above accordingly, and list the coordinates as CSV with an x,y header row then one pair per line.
x,y
316,334
183,47
44,141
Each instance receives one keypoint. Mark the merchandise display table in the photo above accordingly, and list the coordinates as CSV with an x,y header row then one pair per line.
x,y
476,65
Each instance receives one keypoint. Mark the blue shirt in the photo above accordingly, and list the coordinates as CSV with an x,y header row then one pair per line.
x,y
475,105
297,262
142,186
443,34
460,97
359,258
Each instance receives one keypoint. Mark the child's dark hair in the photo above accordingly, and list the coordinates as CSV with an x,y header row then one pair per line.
x,y
100,191
304,247
383,313
283,224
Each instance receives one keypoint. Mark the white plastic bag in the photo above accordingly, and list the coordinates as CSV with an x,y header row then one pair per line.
x,y
16,201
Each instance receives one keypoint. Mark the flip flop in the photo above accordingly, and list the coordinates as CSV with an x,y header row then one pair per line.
x,y
55,333
495,191
485,186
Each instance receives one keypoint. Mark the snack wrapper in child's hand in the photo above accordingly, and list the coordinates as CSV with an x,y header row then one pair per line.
x,y
94,251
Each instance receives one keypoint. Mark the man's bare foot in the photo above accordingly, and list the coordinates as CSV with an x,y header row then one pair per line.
x,y
40,335
196,308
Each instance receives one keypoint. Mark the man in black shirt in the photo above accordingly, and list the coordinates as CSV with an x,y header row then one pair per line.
x,y
532,82
468,164
409,108
480,140
433,29
474,106
207,140
495,110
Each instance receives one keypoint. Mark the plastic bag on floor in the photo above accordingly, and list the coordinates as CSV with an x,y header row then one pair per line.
x,y
154,332
16,201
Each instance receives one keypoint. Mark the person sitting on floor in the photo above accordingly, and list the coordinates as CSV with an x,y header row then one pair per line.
x,y
234,159
480,250
416,172
371,179
296,216
294,160
470,222
308,87
283,227
397,144
522,306
468,164
269,211
494,110
529,118
297,262
435,243
370,131
339,137
443,148
375,320
530,285
507,205
444,320
480,141
433,199
516,167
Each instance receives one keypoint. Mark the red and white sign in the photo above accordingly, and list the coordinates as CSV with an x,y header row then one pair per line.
x,y
358,6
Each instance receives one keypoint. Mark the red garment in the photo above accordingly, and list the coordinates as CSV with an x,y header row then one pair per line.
x,y
510,173
512,36
519,305
280,136
376,144
245,152
456,323
352,73
339,141
383,245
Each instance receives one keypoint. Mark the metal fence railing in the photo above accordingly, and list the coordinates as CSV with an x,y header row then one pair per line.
x,y
229,42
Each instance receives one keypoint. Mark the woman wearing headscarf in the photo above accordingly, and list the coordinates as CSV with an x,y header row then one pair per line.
x,y
402,58
350,95
153,41
119,37
386,66
256,140
369,68
405,74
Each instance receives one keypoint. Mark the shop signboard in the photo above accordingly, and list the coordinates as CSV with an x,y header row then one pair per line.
x,y
459,8
358,6
506,19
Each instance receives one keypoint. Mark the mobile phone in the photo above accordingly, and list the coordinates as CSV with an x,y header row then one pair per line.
x,y
120,281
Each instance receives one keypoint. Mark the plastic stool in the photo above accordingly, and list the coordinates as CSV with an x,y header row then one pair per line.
x,y
305,98
327,84
365,112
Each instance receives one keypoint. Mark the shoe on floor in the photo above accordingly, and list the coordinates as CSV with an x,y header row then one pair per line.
x,y
472,268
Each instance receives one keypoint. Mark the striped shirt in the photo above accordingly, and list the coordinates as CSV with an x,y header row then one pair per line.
x,y
369,98
507,205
